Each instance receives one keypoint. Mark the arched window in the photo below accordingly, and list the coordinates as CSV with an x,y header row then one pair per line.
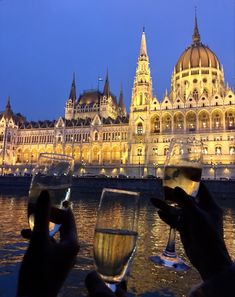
x,y
230,120
217,121
141,99
205,150
166,149
96,136
139,151
179,122
146,97
166,123
156,125
195,94
139,129
232,150
204,120
218,150
155,151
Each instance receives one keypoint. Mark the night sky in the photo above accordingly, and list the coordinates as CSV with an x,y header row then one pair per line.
x,y
42,42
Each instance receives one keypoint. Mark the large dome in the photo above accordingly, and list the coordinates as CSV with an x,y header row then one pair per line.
x,y
197,55
90,97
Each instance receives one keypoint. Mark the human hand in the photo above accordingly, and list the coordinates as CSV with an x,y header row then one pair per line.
x,y
201,229
97,288
46,262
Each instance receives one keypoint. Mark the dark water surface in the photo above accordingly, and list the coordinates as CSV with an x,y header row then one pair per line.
x,y
145,278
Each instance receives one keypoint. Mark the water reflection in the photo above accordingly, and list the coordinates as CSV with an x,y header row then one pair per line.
x,y
145,279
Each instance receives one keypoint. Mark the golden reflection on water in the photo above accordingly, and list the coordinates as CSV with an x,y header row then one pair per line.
x,y
145,279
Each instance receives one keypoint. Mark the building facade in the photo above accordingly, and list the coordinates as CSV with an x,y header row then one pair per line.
x,y
97,131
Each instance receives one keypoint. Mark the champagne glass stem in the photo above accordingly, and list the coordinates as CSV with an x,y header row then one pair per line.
x,y
170,248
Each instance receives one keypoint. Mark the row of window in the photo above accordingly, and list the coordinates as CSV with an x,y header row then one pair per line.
x,y
217,151
107,136
35,139
195,72
115,136
84,137
87,109
203,139
204,123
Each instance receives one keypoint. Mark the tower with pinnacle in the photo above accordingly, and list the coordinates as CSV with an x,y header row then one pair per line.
x,y
70,104
140,107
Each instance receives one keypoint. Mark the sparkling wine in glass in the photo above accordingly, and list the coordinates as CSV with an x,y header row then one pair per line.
x,y
115,234
183,168
53,173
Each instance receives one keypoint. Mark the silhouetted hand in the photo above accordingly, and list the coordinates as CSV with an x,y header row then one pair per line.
x,y
97,288
46,262
201,229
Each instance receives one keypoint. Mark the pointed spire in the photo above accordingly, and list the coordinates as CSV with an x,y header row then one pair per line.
x,y
143,46
8,111
72,94
121,102
8,105
196,38
106,85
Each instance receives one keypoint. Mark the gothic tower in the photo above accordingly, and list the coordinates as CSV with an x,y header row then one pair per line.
x,y
140,107
70,104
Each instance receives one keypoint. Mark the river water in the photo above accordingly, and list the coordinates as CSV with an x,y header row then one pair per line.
x,y
145,279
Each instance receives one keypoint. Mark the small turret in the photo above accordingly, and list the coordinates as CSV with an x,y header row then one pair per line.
x,y
70,104
121,104
106,86
8,113
72,94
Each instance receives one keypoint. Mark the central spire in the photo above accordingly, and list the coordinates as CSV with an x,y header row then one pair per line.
x,y
196,35
142,89
143,47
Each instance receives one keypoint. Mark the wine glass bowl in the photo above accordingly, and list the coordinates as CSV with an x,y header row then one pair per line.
x,y
116,235
53,173
183,166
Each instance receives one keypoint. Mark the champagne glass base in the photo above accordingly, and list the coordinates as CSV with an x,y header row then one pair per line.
x,y
174,263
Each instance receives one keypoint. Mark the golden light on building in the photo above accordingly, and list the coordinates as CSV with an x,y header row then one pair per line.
x,y
99,134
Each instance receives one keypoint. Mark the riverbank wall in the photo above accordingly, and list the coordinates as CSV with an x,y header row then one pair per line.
x,y
19,185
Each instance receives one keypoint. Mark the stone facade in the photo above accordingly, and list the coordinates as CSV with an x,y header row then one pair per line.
x,y
97,131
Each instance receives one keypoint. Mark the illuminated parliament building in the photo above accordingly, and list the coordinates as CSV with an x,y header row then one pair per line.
x,y
97,131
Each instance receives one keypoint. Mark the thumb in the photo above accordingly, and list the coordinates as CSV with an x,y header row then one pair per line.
x,y
42,215
183,199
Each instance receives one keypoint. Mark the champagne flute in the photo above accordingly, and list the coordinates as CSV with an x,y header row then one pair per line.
x,y
183,168
53,173
115,234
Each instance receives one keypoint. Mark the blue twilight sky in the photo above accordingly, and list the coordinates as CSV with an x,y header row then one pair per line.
x,y
42,42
